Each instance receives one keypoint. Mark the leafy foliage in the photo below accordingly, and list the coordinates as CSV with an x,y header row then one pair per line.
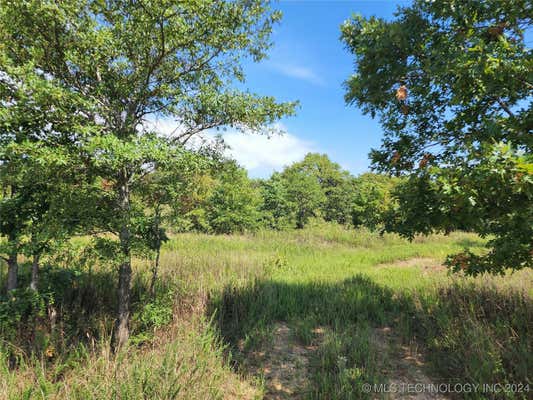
x,y
233,205
304,193
122,62
335,183
277,211
372,199
451,84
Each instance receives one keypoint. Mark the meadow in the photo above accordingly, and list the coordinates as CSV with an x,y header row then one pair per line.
x,y
314,313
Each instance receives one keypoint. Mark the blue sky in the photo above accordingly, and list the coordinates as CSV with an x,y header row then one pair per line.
x,y
308,63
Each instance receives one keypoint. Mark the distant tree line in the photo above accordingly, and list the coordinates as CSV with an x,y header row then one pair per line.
x,y
223,199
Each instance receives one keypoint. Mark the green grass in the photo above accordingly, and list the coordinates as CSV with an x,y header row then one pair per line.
x,y
219,291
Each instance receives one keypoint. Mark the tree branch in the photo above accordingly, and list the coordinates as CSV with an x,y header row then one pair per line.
x,y
505,107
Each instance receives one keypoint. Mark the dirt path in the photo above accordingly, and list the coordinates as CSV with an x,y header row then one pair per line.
x,y
284,366
426,264
405,369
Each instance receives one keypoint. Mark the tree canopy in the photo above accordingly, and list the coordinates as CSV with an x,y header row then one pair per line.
x,y
451,83
115,64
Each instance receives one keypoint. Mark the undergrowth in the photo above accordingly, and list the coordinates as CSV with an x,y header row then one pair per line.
x,y
215,292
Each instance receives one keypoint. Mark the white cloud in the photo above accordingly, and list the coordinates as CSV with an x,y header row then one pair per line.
x,y
300,72
164,126
261,154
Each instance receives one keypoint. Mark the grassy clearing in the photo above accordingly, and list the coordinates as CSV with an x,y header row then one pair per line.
x,y
221,297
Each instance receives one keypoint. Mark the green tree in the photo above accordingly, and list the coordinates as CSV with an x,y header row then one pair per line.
x,y
334,182
38,163
190,210
132,60
277,210
51,192
197,181
234,203
160,192
372,199
304,193
451,83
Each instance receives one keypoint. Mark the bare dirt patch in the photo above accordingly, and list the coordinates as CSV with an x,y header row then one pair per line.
x,y
284,364
406,367
425,263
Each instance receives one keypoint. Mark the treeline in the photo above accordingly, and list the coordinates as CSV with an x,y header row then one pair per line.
x,y
223,199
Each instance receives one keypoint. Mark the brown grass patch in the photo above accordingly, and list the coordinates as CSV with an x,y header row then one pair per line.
x,y
406,367
284,364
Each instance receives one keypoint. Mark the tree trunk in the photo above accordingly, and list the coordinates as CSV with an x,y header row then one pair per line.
x,y
35,272
157,254
154,271
12,265
122,331
300,220
12,271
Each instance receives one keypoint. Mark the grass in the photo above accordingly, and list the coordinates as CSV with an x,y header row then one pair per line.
x,y
220,297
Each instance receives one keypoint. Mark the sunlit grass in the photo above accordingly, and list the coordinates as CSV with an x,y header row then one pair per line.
x,y
349,282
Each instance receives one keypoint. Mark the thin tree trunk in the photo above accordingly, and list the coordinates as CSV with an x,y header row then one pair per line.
x,y
122,332
154,271
157,254
12,263
300,220
12,266
35,272
12,271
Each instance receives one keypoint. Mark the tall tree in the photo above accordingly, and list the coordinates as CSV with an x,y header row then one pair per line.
x,y
161,193
452,84
372,199
136,59
335,184
234,203
304,193
51,190
37,145
278,212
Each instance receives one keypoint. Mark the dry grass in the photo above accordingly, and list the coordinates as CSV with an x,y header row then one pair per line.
x,y
229,290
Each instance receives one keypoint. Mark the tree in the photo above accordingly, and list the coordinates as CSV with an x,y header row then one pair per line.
x,y
132,60
49,198
160,193
451,84
335,184
277,211
304,193
37,163
234,204
189,211
372,199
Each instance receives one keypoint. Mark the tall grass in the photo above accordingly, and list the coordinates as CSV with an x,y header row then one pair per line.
x,y
217,291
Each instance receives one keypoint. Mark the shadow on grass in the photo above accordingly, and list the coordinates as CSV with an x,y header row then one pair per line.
x,y
241,309
469,243
72,310
471,333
